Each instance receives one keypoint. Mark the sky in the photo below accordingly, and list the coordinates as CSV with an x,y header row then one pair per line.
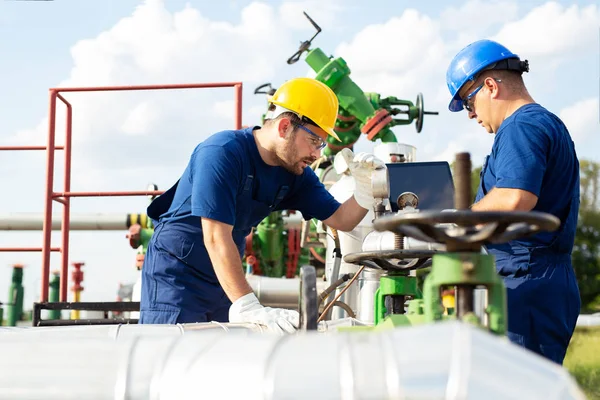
x,y
126,140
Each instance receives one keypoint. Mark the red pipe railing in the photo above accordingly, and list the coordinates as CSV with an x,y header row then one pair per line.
x,y
65,196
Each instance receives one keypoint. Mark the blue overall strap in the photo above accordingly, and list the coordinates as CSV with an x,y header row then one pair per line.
x,y
281,193
161,204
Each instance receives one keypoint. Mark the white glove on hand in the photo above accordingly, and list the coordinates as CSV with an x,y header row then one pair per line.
x,y
362,167
248,309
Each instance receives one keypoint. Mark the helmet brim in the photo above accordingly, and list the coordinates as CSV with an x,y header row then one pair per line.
x,y
456,104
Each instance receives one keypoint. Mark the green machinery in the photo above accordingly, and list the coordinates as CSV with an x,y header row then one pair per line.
x,y
462,267
359,113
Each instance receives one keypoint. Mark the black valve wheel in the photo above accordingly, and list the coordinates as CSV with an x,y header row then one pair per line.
x,y
392,260
309,305
466,228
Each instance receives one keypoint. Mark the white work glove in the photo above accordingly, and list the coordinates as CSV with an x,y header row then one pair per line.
x,y
361,167
248,309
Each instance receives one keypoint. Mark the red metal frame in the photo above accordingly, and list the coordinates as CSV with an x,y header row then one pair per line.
x,y
64,197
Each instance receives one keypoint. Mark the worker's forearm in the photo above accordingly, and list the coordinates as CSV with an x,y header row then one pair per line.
x,y
505,200
347,216
226,261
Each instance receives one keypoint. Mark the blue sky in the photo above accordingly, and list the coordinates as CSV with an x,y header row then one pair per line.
x,y
124,141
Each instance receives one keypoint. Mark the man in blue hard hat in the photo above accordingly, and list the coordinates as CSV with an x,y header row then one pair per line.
x,y
532,166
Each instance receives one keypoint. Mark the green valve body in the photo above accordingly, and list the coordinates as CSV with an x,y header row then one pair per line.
x,y
335,73
14,308
393,286
467,269
54,295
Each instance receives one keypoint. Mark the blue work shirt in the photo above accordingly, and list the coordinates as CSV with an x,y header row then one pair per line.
x,y
533,151
226,180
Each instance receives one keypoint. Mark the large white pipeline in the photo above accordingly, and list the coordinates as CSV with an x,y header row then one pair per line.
x,y
90,221
448,360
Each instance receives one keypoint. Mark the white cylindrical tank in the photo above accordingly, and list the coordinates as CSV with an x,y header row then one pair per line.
x,y
449,360
350,242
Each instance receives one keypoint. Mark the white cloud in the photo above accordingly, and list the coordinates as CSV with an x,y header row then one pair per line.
x,y
475,17
553,31
140,119
582,120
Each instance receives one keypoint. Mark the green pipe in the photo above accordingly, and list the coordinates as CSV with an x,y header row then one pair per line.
x,y
14,308
54,293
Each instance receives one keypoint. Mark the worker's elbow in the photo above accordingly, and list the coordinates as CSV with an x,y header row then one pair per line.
x,y
524,201
212,241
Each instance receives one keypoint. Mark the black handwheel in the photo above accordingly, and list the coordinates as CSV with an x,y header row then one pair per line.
x,y
465,227
392,260
309,305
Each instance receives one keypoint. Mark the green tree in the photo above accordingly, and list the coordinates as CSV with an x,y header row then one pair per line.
x,y
586,250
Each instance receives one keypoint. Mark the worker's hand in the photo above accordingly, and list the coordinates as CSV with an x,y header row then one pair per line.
x,y
361,167
248,309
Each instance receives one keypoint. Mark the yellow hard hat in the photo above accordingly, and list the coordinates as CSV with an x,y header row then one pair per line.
x,y
311,99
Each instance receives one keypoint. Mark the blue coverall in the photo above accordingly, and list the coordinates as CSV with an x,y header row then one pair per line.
x,y
533,151
226,180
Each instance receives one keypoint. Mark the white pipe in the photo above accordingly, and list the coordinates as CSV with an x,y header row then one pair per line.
x,y
279,292
431,361
123,331
91,222
588,320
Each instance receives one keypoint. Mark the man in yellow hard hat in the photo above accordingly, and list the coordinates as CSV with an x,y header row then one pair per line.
x,y
193,269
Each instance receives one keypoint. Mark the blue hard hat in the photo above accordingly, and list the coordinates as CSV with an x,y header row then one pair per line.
x,y
471,60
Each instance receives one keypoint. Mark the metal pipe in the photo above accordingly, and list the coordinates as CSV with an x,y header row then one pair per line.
x,y
238,105
147,87
47,231
67,203
17,148
462,181
109,194
117,332
430,361
95,221
25,249
279,292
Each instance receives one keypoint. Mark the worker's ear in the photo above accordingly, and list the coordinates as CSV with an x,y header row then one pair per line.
x,y
284,127
493,87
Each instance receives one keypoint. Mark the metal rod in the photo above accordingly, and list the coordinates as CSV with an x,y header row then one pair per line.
x,y
462,181
65,228
25,249
146,87
464,300
238,105
15,148
47,230
109,194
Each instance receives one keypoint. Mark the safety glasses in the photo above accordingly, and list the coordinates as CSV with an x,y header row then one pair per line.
x,y
315,140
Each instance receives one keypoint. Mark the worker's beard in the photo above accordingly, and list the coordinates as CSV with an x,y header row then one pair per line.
x,y
289,158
